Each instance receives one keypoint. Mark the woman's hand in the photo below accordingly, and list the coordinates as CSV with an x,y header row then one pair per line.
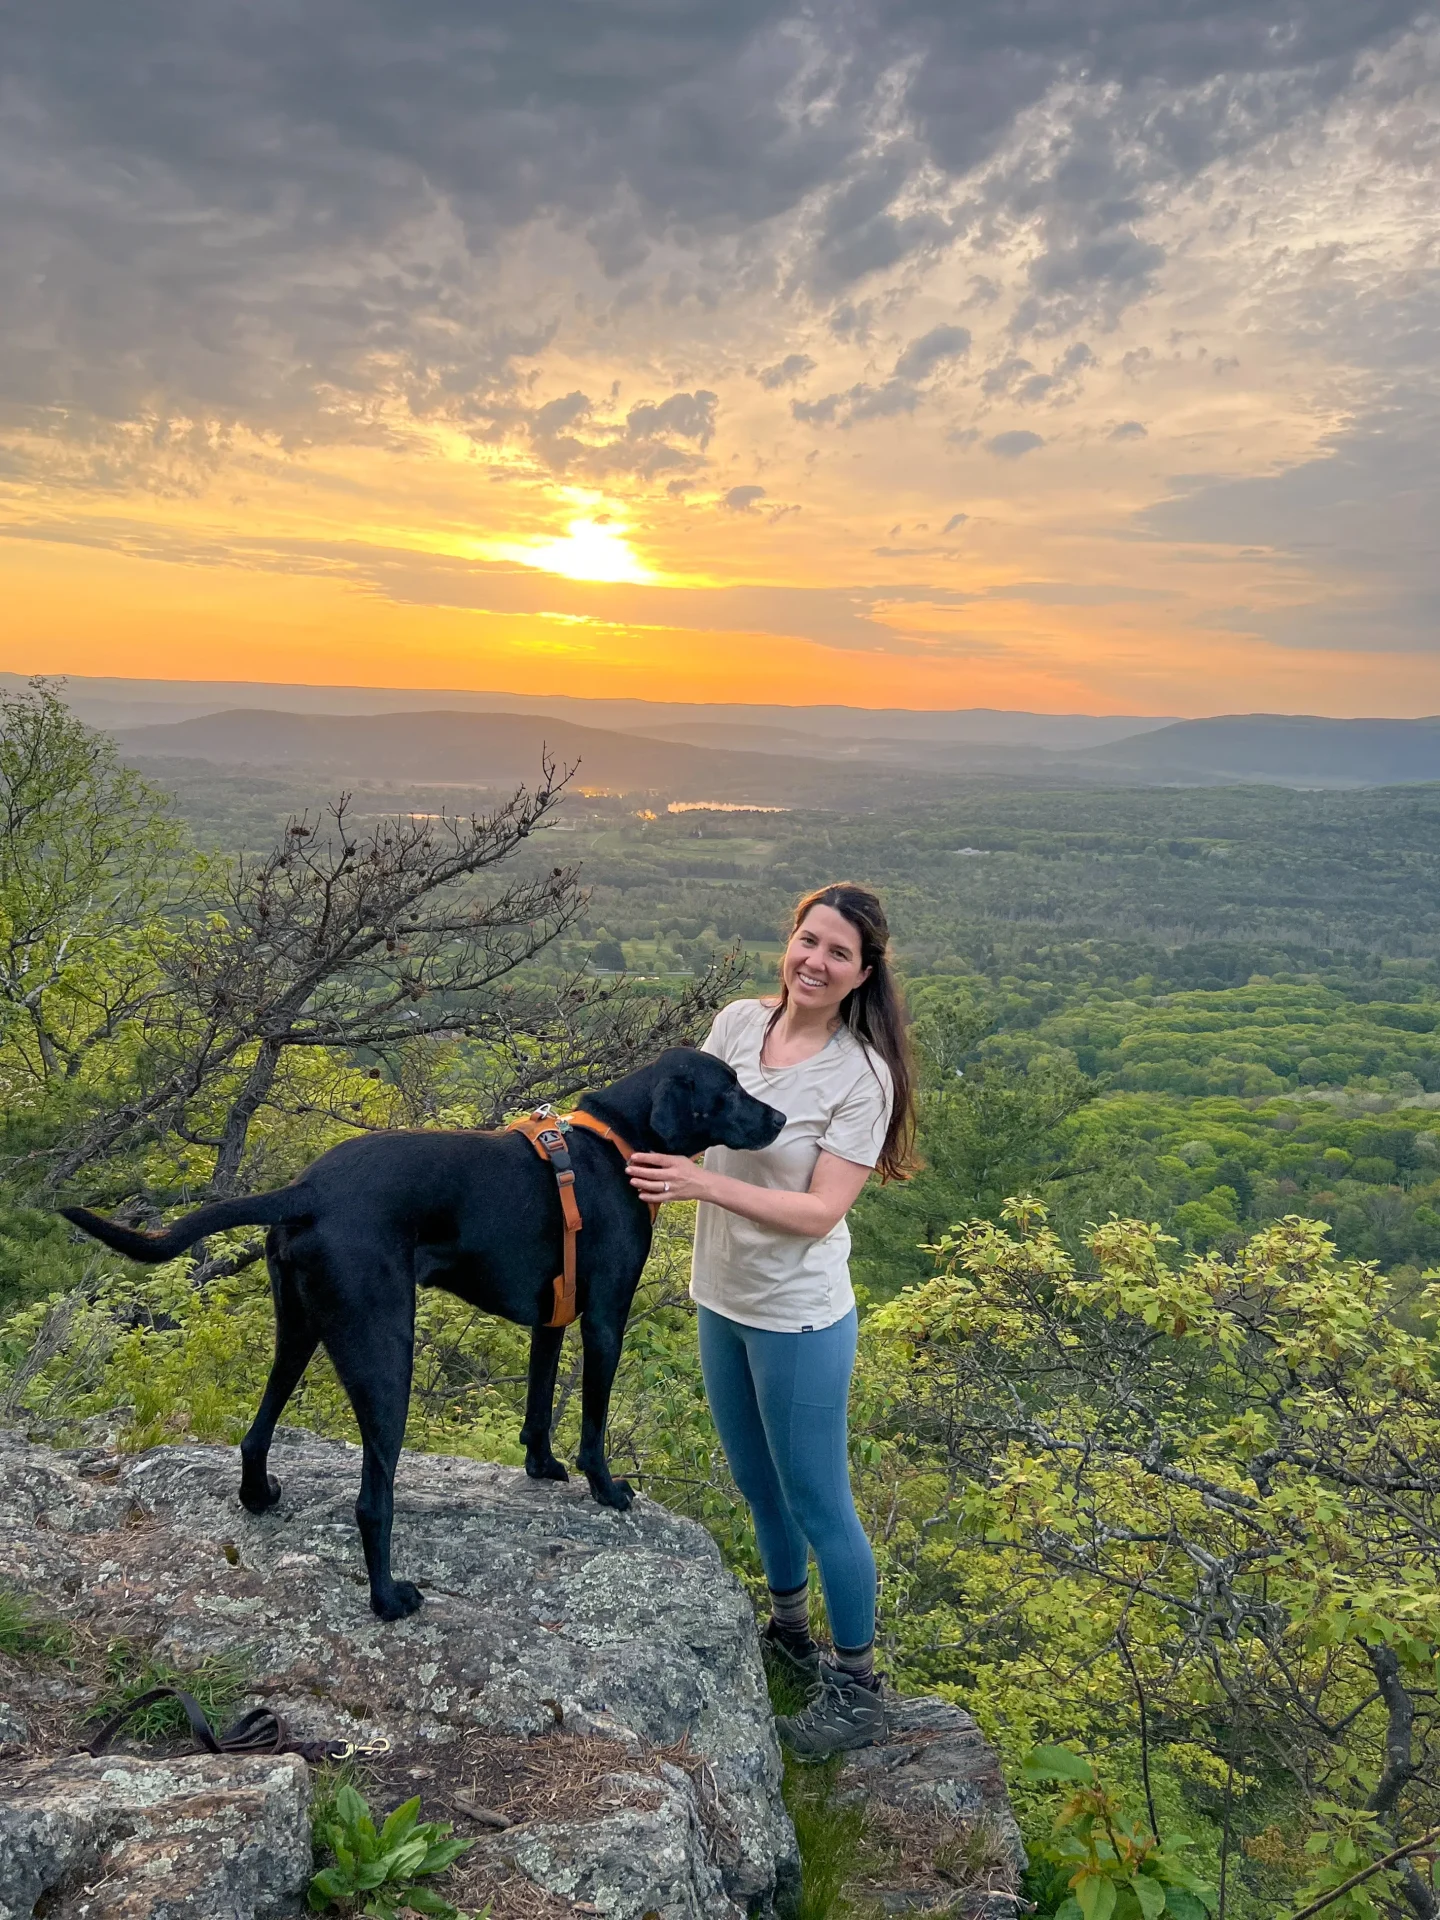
x,y
833,1188
667,1176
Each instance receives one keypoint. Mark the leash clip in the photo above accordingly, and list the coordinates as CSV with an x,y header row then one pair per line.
x,y
363,1749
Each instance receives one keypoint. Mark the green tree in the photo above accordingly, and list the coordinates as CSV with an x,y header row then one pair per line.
x,y
340,940
155,1006
90,857
1236,1464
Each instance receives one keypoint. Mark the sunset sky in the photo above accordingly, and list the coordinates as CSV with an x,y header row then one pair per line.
x,y
1067,354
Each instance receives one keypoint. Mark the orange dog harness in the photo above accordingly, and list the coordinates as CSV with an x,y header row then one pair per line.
x,y
546,1133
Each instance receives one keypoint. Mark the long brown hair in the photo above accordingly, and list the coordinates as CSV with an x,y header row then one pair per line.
x,y
874,1012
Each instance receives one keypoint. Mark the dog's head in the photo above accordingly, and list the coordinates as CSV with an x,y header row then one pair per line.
x,y
697,1102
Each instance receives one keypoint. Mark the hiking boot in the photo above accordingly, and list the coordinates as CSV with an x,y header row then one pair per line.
x,y
801,1667
841,1713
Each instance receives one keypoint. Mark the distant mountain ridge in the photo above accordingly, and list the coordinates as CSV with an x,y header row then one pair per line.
x,y
1291,749
720,761
1285,748
123,704
477,749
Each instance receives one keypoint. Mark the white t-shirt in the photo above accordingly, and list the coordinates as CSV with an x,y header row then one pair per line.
x,y
838,1101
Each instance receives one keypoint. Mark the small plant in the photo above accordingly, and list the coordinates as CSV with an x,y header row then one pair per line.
x,y
25,1632
1102,1867
375,1873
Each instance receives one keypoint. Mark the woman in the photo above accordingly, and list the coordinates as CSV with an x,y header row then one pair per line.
x,y
772,1280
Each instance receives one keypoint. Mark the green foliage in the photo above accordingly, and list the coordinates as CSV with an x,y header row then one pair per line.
x,y
1217,1473
828,1834
38,1258
1250,1040
25,1633
89,859
1350,1841
132,1669
608,956
378,1872
1213,1169
1240,881
1100,1864
986,1129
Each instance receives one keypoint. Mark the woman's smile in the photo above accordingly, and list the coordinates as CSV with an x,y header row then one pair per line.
x,y
822,962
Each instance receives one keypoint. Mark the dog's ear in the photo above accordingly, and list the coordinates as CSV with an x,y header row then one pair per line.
x,y
672,1112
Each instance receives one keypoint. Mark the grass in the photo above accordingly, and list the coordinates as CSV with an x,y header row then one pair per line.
x,y
128,1669
828,1834
132,1669
26,1633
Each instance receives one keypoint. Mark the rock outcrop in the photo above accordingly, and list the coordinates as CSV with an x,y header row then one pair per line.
x,y
940,1832
582,1692
185,1839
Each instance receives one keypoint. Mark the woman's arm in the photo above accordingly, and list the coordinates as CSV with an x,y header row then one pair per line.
x,y
834,1187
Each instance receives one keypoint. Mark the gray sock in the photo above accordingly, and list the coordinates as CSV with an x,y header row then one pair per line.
x,y
858,1663
791,1614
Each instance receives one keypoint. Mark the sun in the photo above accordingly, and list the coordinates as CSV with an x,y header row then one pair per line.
x,y
588,550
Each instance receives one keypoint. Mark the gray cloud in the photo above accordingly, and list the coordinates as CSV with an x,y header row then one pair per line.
x,y
861,402
955,520
742,499
1128,430
1014,445
641,444
273,214
932,350
1018,379
690,415
786,372
1060,593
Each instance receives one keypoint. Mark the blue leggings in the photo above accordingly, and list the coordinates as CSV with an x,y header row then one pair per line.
x,y
779,1402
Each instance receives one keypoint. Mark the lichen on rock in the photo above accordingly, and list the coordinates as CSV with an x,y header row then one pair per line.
x,y
190,1838
581,1695
544,1614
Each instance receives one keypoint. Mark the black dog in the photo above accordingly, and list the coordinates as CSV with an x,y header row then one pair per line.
x,y
477,1214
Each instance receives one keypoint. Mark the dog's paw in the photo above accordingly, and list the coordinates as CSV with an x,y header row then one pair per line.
x,y
402,1600
550,1469
258,1502
618,1494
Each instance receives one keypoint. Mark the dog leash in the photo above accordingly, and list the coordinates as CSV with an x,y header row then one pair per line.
x,y
545,1130
261,1730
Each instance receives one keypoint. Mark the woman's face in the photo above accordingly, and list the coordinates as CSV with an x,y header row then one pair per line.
x,y
822,961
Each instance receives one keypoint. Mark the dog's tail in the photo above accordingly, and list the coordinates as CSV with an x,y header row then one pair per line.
x,y
263,1210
